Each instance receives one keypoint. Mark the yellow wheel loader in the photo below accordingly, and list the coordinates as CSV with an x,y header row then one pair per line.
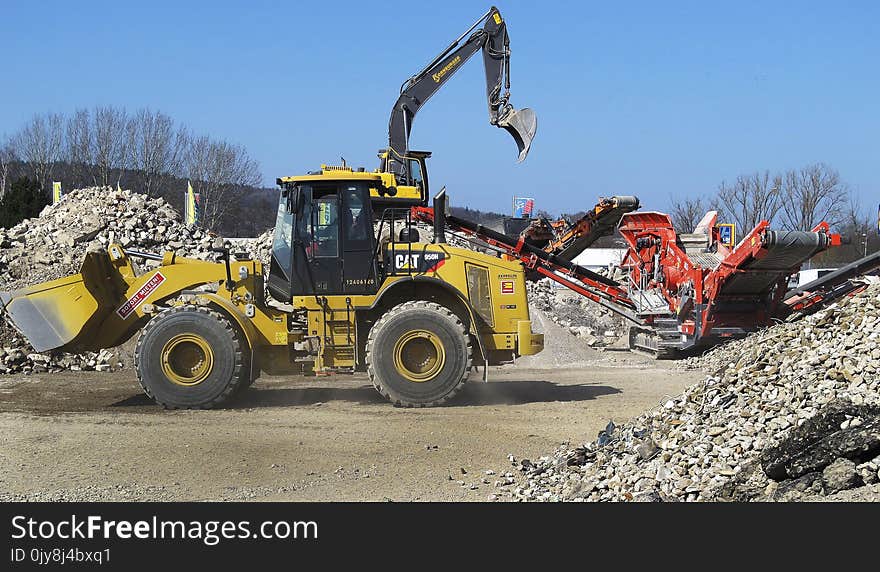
x,y
415,315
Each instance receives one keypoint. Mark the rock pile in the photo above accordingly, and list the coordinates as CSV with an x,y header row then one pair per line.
x,y
14,359
55,243
791,410
583,318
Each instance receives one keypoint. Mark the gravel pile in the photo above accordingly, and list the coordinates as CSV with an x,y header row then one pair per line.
x,y
585,319
791,411
55,243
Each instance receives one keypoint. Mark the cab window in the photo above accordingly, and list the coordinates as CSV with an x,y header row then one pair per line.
x,y
415,173
357,219
325,226
282,238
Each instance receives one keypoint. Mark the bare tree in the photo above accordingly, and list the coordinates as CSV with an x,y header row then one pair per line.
x,y
110,143
39,145
218,172
811,195
686,213
7,156
104,144
751,199
155,147
857,225
79,146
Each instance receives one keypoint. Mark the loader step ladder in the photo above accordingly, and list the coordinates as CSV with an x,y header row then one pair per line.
x,y
338,335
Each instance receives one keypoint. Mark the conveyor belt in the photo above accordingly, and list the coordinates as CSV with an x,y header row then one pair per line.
x,y
602,224
785,251
842,282
860,267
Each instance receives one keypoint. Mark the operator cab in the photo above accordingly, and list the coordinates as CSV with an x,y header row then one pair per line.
x,y
323,242
411,173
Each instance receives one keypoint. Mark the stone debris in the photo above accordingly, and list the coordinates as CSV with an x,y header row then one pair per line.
x,y
583,318
789,411
54,244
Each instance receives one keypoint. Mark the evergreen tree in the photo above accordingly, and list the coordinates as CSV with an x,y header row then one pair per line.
x,y
23,199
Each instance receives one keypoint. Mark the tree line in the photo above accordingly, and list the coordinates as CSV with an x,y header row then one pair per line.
x,y
797,199
146,151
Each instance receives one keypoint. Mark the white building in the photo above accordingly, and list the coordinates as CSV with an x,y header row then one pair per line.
x,y
596,258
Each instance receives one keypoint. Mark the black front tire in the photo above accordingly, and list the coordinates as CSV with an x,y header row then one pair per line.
x,y
193,332
438,378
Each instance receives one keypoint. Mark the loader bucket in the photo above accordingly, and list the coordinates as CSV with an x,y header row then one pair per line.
x,y
64,313
522,124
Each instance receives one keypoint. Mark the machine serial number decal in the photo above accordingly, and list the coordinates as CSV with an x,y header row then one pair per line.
x,y
507,286
140,296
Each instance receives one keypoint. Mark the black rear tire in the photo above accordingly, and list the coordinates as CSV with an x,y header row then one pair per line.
x,y
418,354
191,357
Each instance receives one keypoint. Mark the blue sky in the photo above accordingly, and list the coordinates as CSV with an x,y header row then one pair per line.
x,y
646,98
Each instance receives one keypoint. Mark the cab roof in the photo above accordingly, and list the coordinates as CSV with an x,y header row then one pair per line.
x,y
333,173
346,173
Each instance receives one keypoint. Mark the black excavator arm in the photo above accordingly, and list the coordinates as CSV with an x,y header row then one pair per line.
x,y
492,39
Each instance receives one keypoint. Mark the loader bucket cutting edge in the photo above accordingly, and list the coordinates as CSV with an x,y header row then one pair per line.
x,y
522,124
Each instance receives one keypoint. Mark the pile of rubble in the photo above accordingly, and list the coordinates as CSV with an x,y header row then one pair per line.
x,y
790,412
585,319
55,243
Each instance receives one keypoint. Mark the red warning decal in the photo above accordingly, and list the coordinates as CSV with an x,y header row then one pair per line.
x,y
140,296
507,286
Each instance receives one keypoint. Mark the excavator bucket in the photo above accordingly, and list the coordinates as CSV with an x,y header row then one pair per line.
x,y
522,124
63,313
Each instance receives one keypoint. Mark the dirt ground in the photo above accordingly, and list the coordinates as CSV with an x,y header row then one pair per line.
x,y
95,436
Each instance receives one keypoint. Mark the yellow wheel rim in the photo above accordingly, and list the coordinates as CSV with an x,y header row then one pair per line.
x,y
419,356
187,359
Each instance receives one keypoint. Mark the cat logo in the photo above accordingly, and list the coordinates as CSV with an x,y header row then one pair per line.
x,y
418,261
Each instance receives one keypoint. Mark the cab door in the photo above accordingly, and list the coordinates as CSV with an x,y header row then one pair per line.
x,y
316,259
335,245
359,264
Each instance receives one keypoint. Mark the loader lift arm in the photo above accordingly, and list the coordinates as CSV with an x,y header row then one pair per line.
x,y
493,40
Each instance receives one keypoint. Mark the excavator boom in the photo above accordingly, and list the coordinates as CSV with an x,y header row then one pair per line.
x,y
494,42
